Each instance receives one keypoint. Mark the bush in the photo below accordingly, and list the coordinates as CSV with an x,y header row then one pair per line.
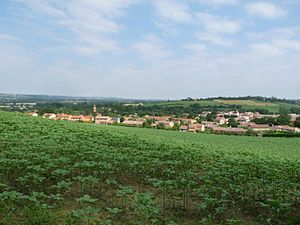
x,y
281,134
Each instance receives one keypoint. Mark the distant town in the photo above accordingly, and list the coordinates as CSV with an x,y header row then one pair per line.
x,y
230,122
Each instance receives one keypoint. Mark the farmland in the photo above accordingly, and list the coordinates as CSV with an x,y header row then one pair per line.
x,y
246,102
57,172
250,105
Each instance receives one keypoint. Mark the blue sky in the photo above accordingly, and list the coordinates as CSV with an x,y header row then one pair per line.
x,y
150,49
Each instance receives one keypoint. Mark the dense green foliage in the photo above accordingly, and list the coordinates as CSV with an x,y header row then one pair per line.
x,y
283,119
233,123
281,134
56,172
297,122
116,107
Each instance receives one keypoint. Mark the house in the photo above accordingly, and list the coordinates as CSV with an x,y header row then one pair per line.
x,y
33,114
244,124
196,128
103,120
183,128
256,115
228,130
88,119
133,123
208,124
294,117
168,124
49,116
272,116
204,113
188,121
76,118
163,118
116,119
131,117
221,120
147,117
244,118
286,129
192,129
178,120
140,120
62,117
155,124
232,113
259,127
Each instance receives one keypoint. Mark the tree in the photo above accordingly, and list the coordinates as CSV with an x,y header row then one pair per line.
x,y
297,122
200,119
233,123
283,110
176,126
161,126
147,123
266,120
283,119
211,117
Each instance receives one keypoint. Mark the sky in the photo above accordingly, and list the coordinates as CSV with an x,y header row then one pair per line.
x,y
166,49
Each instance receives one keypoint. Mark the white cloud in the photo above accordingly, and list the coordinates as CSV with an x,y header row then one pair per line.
x,y
8,37
172,10
150,50
284,39
195,47
218,24
214,39
283,32
219,2
267,10
90,20
288,44
265,50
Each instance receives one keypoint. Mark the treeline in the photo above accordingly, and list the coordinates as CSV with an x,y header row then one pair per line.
x,y
283,119
119,109
254,98
281,134
115,108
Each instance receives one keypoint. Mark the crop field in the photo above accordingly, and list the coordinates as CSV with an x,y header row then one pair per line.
x,y
56,172
186,103
245,102
273,107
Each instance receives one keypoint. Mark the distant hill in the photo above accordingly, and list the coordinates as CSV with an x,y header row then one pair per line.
x,y
272,105
122,106
59,98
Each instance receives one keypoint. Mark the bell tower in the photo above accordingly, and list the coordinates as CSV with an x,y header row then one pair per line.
x,y
94,113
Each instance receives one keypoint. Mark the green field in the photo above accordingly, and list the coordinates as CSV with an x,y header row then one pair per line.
x,y
185,103
273,107
245,102
56,172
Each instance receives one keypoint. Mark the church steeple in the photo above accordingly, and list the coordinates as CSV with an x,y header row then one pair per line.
x,y
94,109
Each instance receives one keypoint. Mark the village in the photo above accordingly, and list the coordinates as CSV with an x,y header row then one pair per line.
x,y
221,124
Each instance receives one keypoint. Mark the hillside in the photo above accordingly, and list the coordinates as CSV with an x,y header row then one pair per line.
x,y
56,172
252,105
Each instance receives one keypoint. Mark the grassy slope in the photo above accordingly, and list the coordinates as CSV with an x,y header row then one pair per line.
x,y
246,104
185,103
216,165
